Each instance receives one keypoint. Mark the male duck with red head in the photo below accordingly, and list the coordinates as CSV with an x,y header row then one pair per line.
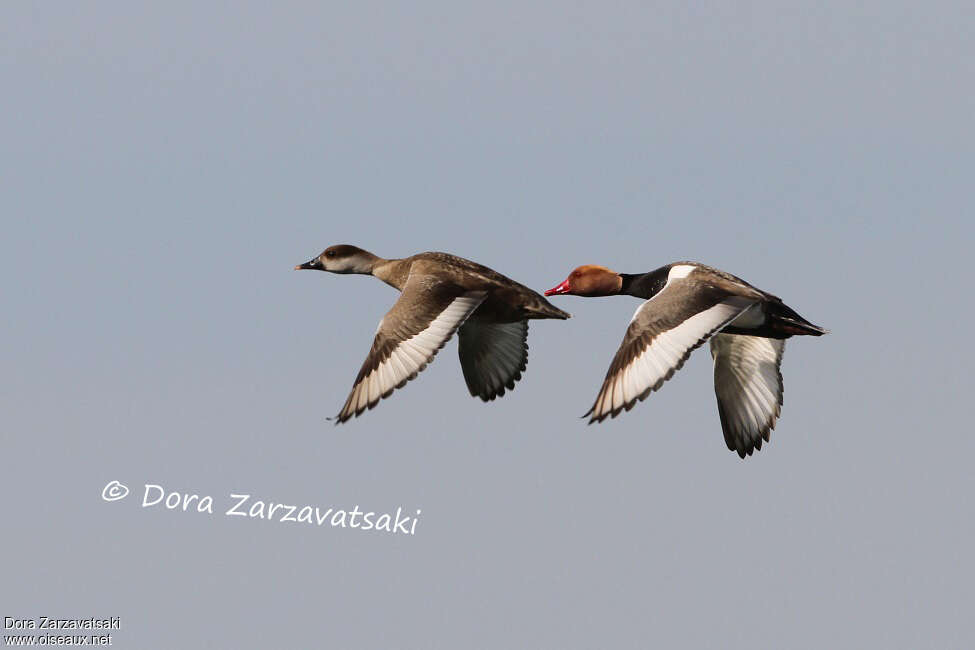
x,y
687,304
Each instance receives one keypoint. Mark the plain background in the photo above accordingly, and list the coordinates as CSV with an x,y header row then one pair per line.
x,y
163,168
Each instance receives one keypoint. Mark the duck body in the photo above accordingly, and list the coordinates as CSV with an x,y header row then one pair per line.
x,y
507,301
769,318
688,303
440,294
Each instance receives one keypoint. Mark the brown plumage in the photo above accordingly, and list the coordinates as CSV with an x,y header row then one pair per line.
x,y
441,294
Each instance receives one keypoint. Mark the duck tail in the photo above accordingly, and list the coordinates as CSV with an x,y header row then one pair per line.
x,y
786,321
544,309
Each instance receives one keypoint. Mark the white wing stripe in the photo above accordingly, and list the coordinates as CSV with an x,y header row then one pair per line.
x,y
412,354
660,351
652,366
372,385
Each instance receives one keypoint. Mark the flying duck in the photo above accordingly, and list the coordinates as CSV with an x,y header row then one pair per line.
x,y
440,294
687,304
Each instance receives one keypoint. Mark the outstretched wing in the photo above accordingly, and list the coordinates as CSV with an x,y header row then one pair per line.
x,y
662,334
492,355
424,318
748,384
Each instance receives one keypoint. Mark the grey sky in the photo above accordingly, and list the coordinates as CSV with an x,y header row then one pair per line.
x,y
164,168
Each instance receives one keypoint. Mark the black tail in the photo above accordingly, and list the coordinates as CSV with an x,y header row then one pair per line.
x,y
784,320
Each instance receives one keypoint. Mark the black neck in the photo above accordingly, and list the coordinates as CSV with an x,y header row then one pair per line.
x,y
628,279
644,285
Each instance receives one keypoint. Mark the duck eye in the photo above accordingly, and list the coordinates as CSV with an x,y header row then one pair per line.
x,y
329,253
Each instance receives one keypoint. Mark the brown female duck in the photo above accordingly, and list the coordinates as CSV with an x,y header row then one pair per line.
x,y
441,294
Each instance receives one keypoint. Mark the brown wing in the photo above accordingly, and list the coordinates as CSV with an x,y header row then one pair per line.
x,y
662,334
492,355
424,318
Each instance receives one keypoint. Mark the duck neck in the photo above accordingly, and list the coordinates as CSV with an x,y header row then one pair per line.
x,y
392,272
643,285
627,284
